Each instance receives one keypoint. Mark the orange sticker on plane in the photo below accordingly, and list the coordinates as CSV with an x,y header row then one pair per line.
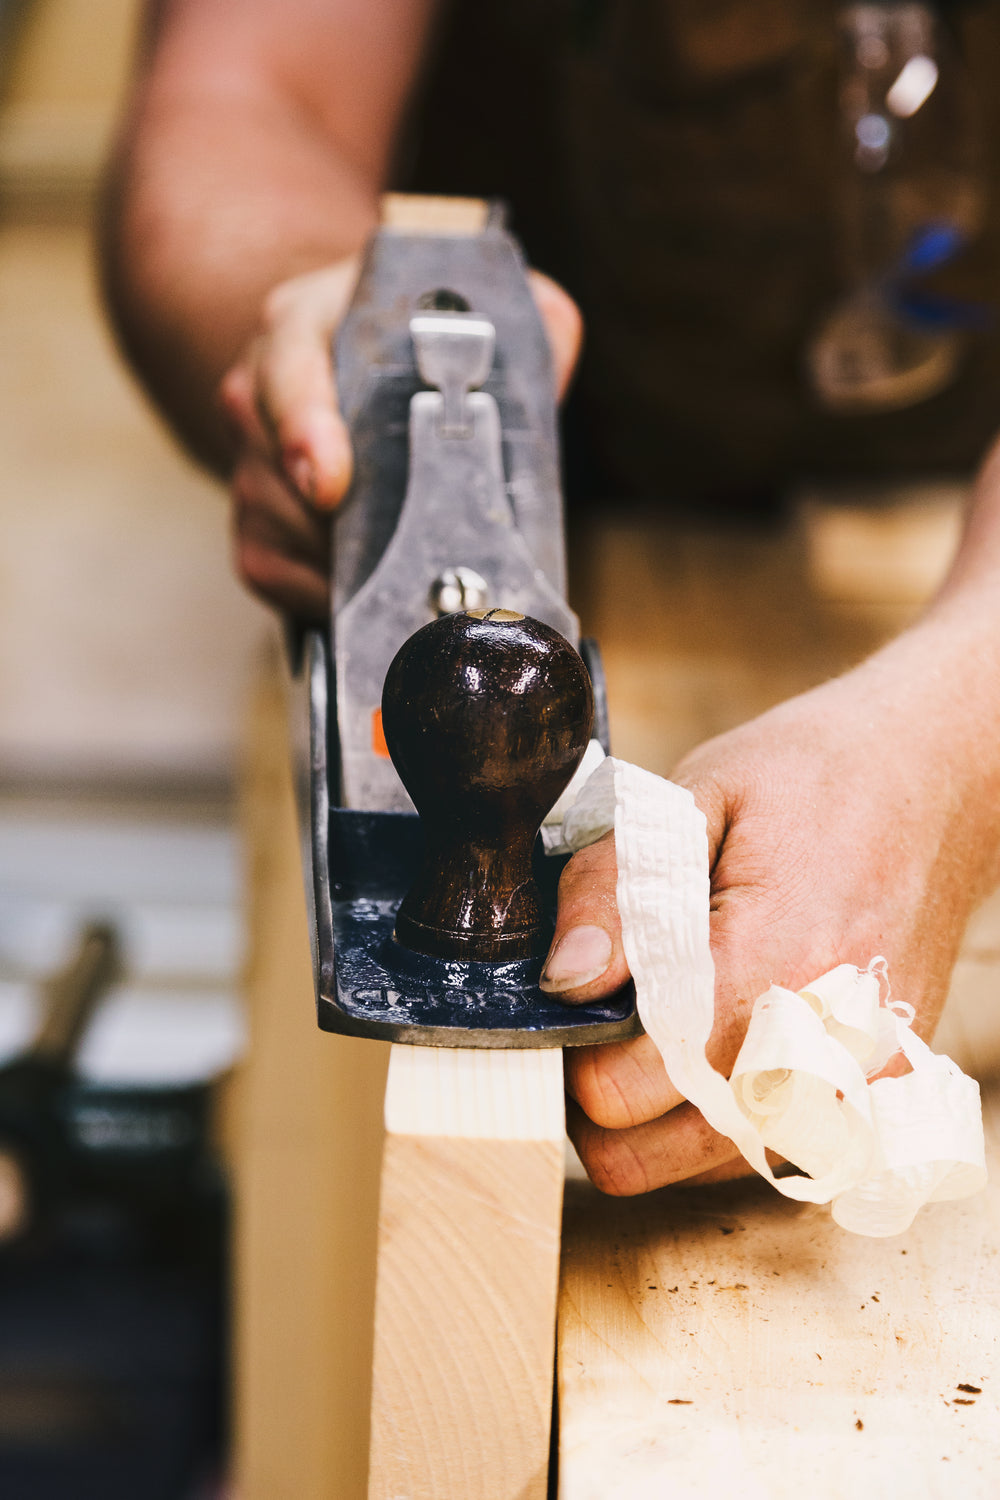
x,y
378,735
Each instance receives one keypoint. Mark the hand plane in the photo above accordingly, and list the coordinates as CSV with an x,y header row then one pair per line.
x,y
448,588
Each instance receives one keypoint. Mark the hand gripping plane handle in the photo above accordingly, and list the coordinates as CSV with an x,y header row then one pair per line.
x,y
486,715
446,384
431,930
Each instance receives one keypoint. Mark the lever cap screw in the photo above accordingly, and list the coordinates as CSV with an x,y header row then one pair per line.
x,y
458,589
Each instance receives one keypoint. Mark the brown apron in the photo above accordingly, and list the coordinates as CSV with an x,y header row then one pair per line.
x,y
672,163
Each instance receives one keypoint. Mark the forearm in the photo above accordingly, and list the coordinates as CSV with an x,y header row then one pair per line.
x,y
257,140
211,203
959,631
975,571
934,691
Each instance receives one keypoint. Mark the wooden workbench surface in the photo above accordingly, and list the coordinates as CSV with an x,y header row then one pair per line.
x,y
726,1342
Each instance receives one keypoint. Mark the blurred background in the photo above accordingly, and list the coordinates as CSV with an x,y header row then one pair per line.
x,y
127,658
125,653
98,506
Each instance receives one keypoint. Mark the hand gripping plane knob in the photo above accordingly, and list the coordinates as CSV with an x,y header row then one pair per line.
x,y
486,715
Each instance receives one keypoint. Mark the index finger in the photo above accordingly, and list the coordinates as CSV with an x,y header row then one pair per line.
x,y
295,386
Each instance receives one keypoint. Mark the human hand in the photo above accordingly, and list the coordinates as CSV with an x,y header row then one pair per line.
x,y
843,824
292,462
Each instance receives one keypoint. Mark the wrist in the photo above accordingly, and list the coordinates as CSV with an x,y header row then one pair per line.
x,y
930,702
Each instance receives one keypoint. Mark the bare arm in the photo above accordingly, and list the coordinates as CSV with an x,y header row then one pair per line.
x,y
256,143
860,818
246,179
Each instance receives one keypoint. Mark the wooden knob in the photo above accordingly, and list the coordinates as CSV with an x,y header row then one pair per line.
x,y
486,716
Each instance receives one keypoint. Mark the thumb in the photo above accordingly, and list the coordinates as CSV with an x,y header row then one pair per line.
x,y
586,961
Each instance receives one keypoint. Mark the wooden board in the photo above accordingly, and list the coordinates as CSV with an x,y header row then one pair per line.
x,y
720,1342
467,1274
469,1224
415,213
307,1147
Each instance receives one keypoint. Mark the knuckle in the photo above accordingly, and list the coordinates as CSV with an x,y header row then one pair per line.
x,y
249,494
244,561
275,307
236,395
266,418
612,1164
592,871
599,1093
241,490
256,566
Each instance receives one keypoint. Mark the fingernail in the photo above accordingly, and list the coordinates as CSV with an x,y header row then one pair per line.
x,y
581,955
331,448
303,476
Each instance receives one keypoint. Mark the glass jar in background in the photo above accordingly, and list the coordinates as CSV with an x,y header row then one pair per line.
x,y
910,196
